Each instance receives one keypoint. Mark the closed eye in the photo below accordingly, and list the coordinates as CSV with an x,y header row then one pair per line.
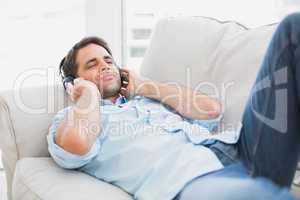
x,y
109,61
91,66
91,63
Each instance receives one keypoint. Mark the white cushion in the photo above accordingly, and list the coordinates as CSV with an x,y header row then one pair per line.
x,y
41,178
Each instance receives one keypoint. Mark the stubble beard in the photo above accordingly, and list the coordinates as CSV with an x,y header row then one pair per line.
x,y
111,90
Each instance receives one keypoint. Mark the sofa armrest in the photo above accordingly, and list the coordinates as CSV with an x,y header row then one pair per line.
x,y
8,146
25,116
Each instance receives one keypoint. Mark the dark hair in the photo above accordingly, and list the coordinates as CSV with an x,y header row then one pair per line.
x,y
68,65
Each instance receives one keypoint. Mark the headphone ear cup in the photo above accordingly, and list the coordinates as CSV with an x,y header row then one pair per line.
x,y
68,79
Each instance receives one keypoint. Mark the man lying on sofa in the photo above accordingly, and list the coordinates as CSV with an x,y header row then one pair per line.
x,y
153,139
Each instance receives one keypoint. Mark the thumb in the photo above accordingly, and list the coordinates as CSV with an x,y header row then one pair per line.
x,y
69,88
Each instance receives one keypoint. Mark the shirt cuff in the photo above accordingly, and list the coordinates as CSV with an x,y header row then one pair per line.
x,y
210,124
69,160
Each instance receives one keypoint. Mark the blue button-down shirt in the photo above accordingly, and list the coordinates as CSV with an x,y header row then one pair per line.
x,y
145,148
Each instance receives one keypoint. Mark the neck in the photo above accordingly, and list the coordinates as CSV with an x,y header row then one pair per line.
x,y
113,99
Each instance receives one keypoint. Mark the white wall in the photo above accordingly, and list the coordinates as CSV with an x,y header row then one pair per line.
x,y
35,35
104,19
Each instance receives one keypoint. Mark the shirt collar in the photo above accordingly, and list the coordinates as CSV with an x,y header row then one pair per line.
x,y
120,100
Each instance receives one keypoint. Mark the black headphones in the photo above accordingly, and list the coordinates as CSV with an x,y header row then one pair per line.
x,y
66,79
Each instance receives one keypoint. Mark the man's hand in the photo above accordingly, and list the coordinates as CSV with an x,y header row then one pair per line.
x,y
84,94
132,83
81,126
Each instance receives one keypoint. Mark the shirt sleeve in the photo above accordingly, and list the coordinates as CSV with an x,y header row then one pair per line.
x,y
210,124
62,157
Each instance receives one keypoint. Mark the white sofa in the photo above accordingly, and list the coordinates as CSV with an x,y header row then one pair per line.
x,y
188,50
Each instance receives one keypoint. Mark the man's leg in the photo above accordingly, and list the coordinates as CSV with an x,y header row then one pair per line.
x,y
270,137
232,183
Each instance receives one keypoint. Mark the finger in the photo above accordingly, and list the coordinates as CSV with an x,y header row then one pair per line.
x,y
76,96
125,70
77,92
124,73
70,88
78,89
77,80
123,91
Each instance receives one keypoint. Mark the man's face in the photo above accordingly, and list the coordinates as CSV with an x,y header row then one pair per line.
x,y
96,64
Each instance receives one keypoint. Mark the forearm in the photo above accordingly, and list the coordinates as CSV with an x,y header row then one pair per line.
x,y
79,130
187,102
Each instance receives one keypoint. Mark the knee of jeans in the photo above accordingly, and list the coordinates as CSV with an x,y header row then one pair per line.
x,y
293,16
292,19
291,25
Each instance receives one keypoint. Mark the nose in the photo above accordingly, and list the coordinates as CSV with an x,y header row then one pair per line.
x,y
104,66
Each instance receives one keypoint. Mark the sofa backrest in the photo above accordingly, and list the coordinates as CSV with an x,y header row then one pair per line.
x,y
218,58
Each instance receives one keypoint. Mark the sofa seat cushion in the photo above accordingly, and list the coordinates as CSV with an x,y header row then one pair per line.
x,y
41,178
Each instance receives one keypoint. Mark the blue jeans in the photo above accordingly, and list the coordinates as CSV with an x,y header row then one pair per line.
x,y
232,183
269,143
